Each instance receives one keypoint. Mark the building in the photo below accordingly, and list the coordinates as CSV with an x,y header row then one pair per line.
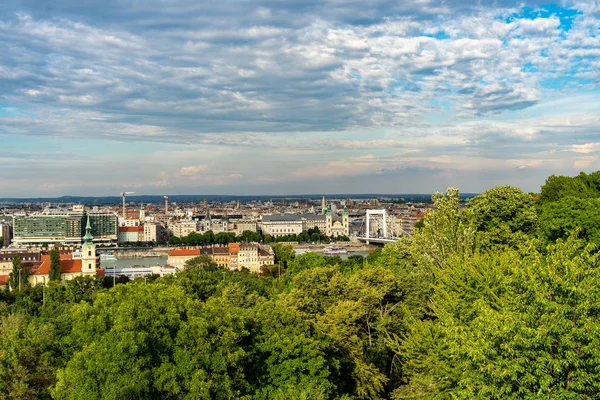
x,y
282,224
6,233
130,234
151,232
249,256
65,228
329,223
184,228
245,225
28,258
72,264
233,256
178,257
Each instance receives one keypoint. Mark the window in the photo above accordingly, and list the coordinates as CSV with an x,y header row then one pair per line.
x,y
89,266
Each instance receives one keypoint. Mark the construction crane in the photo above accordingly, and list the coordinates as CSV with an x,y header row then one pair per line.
x,y
166,205
123,196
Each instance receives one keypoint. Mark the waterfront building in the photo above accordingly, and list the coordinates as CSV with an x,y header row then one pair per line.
x,y
233,256
329,223
130,234
178,257
64,227
150,232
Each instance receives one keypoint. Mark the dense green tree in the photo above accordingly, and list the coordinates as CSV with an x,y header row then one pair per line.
x,y
55,270
515,324
250,236
13,277
582,186
203,261
503,215
283,254
27,358
559,218
125,343
290,361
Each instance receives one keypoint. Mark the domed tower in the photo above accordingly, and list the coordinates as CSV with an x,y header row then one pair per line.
x,y
88,250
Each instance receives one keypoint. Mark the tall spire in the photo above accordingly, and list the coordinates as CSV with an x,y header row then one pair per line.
x,y
323,205
88,238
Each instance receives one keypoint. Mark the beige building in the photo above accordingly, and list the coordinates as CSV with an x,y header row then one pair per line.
x,y
246,225
178,257
330,224
233,256
184,228
150,232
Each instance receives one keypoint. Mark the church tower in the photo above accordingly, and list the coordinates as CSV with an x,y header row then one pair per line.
x,y
346,221
88,250
142,214
328,221
323,205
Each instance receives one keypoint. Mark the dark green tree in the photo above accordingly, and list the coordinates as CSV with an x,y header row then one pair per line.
x,y
13,277
55,270
559,218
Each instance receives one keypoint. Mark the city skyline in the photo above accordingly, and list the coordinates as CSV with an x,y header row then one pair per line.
x,y
251,98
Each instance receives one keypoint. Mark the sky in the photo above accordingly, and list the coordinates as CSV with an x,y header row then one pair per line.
x,y
295,97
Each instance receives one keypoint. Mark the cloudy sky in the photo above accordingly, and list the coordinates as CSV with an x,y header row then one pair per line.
x,y
290,97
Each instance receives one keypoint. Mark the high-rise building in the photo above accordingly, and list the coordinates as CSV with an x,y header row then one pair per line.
x,y
66,228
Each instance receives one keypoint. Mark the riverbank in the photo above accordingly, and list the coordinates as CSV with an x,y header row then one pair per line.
x,y
124,253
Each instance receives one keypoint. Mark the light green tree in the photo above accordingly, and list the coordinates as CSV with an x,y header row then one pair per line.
x,y
503,215
510,324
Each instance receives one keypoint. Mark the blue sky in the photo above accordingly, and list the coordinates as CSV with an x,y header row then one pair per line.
x,y
277,97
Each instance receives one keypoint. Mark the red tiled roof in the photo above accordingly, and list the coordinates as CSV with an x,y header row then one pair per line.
x,y
184,252
67,266
131,229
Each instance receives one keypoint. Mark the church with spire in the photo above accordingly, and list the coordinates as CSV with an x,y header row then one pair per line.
x,y
80,262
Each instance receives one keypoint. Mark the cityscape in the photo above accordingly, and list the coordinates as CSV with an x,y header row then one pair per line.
x,y
158,238
299,200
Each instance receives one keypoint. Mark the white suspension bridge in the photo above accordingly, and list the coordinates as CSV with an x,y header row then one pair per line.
x,y
381,235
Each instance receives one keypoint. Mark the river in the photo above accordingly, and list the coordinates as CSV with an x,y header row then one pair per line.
x,y
152,261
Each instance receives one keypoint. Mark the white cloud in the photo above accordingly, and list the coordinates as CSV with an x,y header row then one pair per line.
x,y
194,170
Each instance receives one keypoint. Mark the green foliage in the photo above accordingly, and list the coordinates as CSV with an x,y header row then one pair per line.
x,y
503,216
13,277
583,186
54,265
517,324
283,254
204,262
27,359
559,218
